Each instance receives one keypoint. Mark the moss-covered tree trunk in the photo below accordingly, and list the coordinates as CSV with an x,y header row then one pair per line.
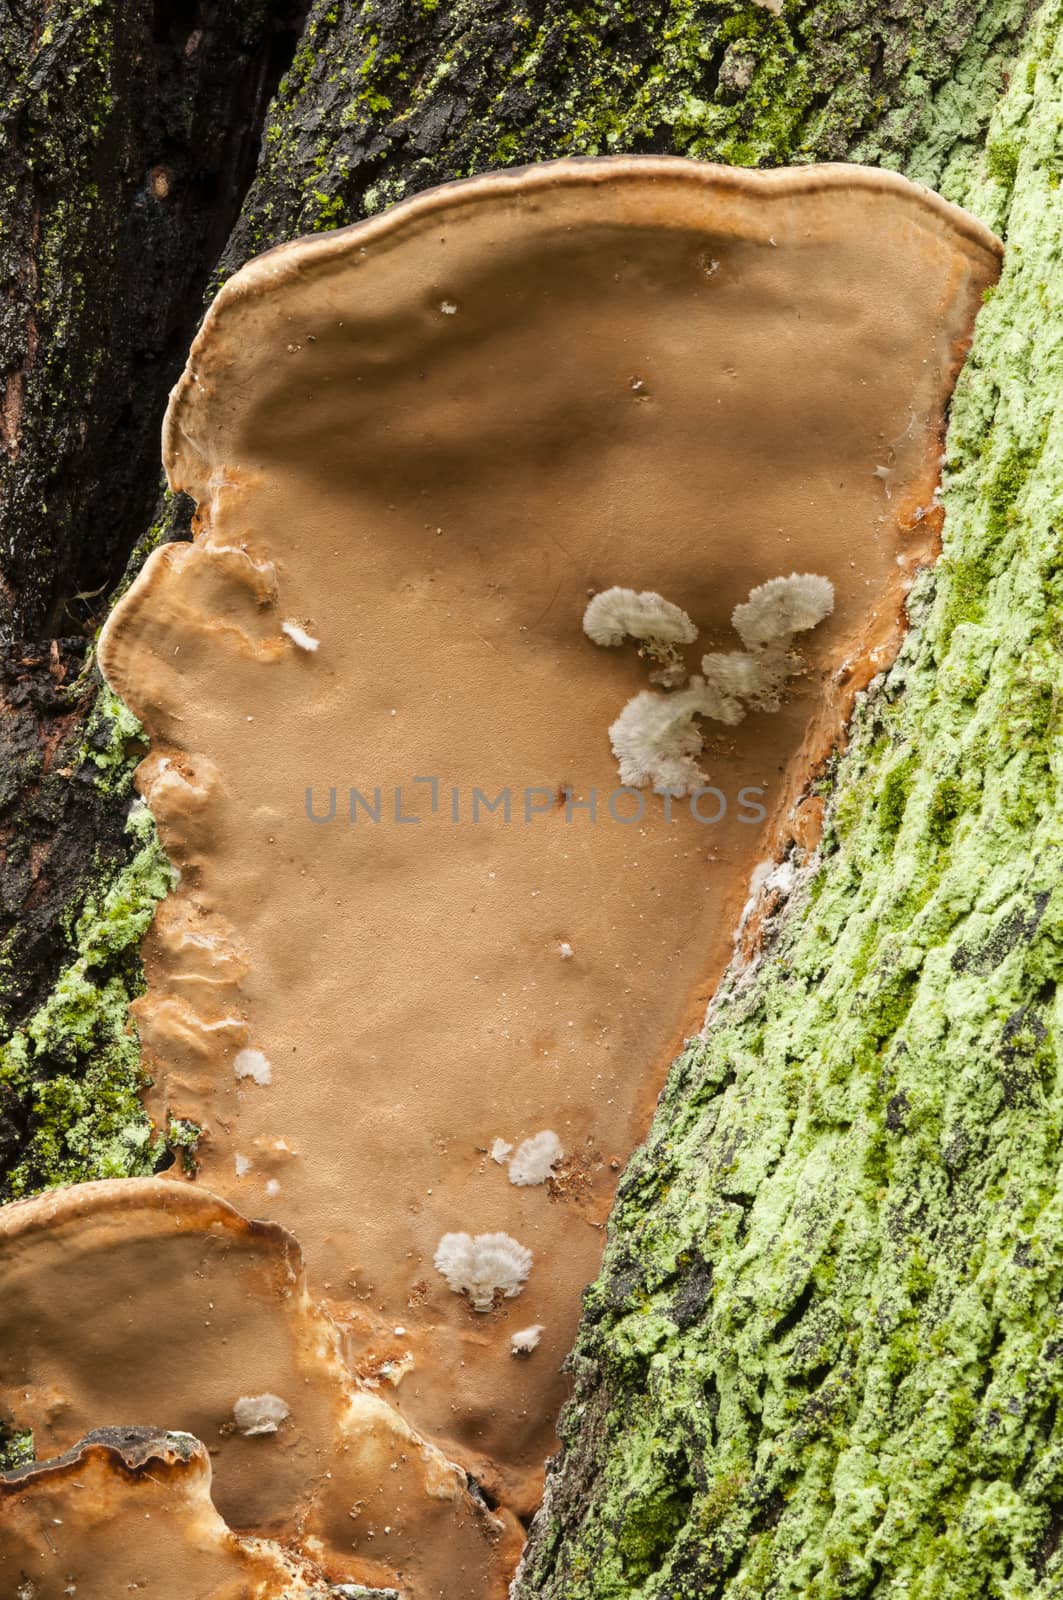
x,y
825,1355
822,1358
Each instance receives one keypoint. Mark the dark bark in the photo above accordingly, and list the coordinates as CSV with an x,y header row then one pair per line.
x,y
129,133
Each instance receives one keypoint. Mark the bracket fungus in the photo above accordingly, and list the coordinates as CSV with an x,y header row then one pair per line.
x,y
129,1509
380,759
146,1298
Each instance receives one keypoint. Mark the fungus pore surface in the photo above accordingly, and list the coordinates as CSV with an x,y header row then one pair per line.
x,y
419,447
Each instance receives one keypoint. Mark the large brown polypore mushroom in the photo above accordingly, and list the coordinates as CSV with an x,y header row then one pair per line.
x,y
417,447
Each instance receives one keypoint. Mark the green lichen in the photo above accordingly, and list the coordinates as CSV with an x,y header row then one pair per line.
x,y
110,753
860,1397
75,1064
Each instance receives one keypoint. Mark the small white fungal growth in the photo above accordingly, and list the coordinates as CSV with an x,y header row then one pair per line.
x,y
253,1064
242,1165
616,614
535,1159
481,1267
272,1187
299,636
565,950
778,609
499,1151
259,1414
737,675
656,738
524,1341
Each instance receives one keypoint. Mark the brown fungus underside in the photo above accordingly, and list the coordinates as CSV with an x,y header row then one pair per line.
x,y
417,446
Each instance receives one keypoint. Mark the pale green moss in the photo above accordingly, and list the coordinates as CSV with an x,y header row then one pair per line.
x,y
861,1398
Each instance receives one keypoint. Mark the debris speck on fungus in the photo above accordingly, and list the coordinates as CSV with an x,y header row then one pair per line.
x,y
300,637
253,1064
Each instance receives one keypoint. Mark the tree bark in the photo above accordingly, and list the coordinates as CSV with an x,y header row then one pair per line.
x,y
823,1357
818,1360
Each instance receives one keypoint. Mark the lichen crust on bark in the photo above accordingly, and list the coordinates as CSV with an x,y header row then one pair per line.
x,y
822,1357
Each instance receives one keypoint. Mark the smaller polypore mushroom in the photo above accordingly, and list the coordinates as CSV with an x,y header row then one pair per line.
x,y
246,1340
130,1508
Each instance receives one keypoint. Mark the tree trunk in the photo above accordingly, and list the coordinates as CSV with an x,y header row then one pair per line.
x,y
819,1359
823,1356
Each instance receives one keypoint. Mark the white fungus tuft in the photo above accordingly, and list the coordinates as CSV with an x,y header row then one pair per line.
x,y
481,1267
257,1414
524,1341
616,613
253,1064
535,1159
660,626
656,738
499,1151
565,950
299,636
242,1165
778,609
